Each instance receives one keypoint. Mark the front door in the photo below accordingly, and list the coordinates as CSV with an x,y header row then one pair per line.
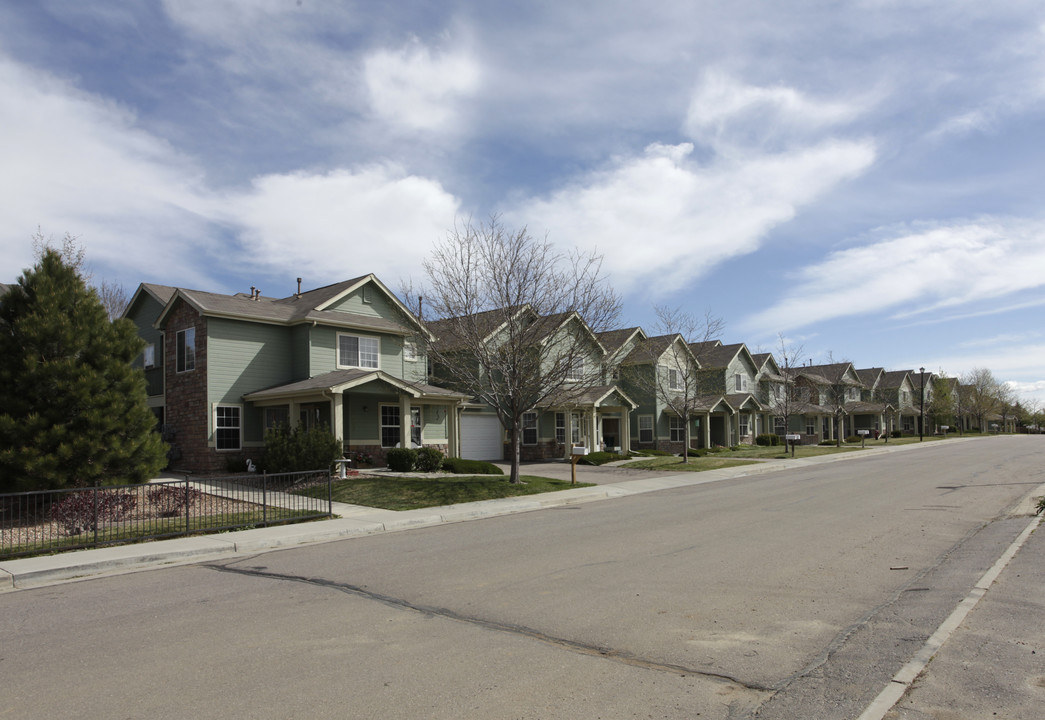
x,y
611,433
415,427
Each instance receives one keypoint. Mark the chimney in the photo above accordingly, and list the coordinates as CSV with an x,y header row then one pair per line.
x,y
299,288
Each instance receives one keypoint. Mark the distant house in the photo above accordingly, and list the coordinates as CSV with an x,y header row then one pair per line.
x,y
224,369
731,370
826,396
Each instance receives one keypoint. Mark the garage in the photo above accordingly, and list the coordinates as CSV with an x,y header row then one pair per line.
x,y
481,437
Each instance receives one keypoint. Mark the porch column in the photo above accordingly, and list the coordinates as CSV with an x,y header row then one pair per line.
x,y
707,430
337,417
593,443
569,432
625,430
404,420
452,420
295,414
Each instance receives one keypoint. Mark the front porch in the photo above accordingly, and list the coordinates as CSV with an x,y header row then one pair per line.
x,y
370,411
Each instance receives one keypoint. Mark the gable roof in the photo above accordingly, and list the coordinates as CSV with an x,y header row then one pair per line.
x,y
870,376
614,340
892,379
832,373
766,367
652,349
160,293
300,308
700,349
448,331
338,381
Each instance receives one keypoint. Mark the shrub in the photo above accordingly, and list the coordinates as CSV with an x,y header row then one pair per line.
x,y
429,459
77,513
460,466
171,500
767,439
295,450
896,433
601,458
401,459
853,439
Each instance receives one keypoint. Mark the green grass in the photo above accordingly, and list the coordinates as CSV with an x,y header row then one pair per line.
x,y
695,464
411,493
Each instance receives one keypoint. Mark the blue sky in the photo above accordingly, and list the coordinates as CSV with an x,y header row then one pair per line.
x,y
864,177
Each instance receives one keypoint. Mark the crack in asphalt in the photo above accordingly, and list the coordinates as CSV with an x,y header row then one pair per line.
x,y
558,642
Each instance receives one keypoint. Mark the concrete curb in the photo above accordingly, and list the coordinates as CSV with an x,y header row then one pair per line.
x,y
357,521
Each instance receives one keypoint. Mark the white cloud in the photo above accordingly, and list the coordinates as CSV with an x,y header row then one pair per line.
x,y
724,112
916,273
145,212
662,220
340,224
419,89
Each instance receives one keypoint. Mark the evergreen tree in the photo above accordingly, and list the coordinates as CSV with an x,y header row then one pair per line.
x,y
73,411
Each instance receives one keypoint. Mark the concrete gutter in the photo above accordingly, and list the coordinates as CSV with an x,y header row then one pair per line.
x,y
358,521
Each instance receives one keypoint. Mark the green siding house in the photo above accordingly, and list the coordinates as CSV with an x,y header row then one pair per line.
x,y
224,369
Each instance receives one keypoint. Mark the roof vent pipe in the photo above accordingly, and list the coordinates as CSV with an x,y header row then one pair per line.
x,y
299,288
251,292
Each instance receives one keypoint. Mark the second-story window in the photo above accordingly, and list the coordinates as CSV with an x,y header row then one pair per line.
x,y
576,369
357,351
410,351
149,356
186,350
673,379
740,382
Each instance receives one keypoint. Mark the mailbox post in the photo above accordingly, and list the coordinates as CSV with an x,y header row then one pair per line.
x,y
576,453
792,438
863,436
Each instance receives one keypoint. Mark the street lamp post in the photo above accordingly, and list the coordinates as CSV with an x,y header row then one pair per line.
x,y
921,425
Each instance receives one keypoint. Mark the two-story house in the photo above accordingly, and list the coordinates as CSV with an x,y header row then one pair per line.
x,y
732,371
903,390
581,407
825,393
224,369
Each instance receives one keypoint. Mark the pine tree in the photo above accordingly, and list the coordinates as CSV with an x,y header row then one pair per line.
x,y
73,411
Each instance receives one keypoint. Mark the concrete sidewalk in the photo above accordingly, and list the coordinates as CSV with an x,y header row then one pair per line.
x,y
356,520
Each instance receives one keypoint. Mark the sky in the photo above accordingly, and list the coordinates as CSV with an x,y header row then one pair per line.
x,y
863,180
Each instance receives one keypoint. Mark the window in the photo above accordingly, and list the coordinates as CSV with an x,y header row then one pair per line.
x,y
357,351
673,379
740,383
778,426
743,425
575,434
904,397
854,394
149,356
576,369
810,427
645,428
560,428
390,425
277,417
529,428
186,341
227,427
678,429
410,351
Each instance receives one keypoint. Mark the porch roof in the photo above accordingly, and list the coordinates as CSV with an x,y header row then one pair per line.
x,y
338,381
867,408
594,396
744,401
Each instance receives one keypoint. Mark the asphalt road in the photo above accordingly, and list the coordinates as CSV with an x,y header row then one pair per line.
x,y
796,594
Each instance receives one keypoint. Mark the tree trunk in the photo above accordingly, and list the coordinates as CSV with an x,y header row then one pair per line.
x,y
685,440
513,476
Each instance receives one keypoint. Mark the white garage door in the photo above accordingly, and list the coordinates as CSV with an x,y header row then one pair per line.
x,y
481,438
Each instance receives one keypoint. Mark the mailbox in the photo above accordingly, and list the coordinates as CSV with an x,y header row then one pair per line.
x,y
792,436
863,432
579,450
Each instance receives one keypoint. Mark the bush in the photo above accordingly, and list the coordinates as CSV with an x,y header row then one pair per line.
x,y
77,513
295,450
827,442
767,439
171,500
896,433
429,459
460,466
601,458
401,459
853,439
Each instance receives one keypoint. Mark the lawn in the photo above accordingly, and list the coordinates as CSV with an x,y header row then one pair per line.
x,y
410,493
695,464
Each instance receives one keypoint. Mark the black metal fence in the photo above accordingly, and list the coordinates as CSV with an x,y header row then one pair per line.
x,y
34,523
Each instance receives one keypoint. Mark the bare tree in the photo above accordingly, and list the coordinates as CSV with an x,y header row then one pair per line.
x,y
671,369
512,319
981,395
783,399
114,298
